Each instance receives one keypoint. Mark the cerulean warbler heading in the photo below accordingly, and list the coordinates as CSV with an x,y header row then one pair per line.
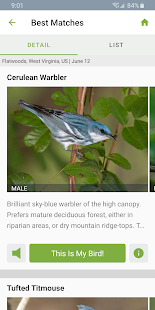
x,y
69,128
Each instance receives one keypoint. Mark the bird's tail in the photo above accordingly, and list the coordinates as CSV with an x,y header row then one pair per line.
x,y
45,114
36,109
28,107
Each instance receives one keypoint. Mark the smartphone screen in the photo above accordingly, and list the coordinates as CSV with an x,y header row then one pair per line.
x,y
77,155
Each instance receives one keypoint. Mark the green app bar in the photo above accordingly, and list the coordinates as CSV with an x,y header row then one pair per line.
x,y
77,253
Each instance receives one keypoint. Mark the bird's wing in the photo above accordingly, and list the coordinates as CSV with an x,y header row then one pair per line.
x,y
70,123
71,118
73,124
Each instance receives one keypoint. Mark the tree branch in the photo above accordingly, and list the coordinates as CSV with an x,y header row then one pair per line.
x,y
80,101
81,93
91,98
52,179
113,144
23,303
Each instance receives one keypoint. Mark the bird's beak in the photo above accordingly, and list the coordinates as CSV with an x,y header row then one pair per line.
x,y
110,137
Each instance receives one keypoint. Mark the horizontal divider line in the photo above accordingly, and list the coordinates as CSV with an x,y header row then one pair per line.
x,y
72,273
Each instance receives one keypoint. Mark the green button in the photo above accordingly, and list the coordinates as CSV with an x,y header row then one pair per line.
x,y
77,253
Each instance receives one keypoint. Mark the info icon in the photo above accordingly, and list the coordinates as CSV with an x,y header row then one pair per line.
x,y
138,253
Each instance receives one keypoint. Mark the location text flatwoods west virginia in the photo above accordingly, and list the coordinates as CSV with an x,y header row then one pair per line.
x,y
45,77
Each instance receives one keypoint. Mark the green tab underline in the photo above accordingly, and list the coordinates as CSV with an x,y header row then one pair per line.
x,y
38,54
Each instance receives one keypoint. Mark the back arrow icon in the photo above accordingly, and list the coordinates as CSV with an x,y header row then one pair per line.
x,y
11,22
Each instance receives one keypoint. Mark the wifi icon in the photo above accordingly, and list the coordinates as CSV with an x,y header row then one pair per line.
x,y
116,5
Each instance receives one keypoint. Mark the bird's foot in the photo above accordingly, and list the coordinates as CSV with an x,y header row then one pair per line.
x,y
79,155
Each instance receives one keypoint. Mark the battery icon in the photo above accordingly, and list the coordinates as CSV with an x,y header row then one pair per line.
x,y
142,6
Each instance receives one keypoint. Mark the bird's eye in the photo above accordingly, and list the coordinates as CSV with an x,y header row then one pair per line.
x,y
102,130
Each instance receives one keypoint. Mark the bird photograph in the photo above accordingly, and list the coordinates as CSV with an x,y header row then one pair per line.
x,y
26,303
77,138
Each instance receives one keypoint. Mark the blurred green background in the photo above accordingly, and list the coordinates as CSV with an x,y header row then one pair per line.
x,y
152,303
152,133
44,166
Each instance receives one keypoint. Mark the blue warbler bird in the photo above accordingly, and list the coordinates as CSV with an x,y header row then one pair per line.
x,y
69,128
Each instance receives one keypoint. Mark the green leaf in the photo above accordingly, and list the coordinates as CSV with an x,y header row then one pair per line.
x,y
152,303
129,102
87,169
118,111
60,99
111,183
152,146
142,131
71,109
119,160
143,91
70,92
137,105
125,90
39,138
130,135
99,147
140,108
73,89
22,178
26,118
85,100
100,109
91,154
9,181
94,166
84,187
69,98
100,164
